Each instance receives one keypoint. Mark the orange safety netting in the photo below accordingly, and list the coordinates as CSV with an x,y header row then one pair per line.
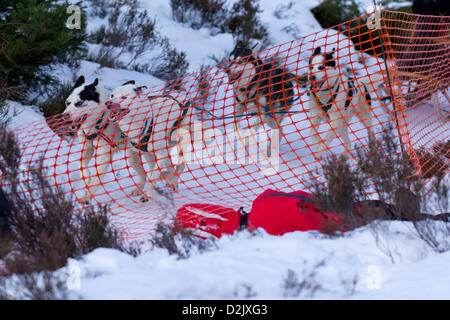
x,y
263,120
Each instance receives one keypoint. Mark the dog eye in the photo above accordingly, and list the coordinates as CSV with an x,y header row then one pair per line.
x,y
123,97
78,104
112,96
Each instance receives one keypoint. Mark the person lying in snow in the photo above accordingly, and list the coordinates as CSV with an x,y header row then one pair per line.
x,y
279,212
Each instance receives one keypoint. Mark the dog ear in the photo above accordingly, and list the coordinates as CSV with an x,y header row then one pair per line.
x,y
317,51
79,82
255,48
139,89
95,83
330,61
129,82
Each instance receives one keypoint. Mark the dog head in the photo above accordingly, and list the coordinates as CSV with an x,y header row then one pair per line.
x,y
121,97
83,95
79,98
242,63
322,66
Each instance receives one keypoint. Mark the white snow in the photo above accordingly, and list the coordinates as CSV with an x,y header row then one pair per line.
x,y
255,266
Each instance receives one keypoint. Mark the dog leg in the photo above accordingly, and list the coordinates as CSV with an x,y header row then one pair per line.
x,y
86,156
238,112
172,180
134,161
154,176
280,128
335,126
150,158
364,114
103,162
315,119
343,133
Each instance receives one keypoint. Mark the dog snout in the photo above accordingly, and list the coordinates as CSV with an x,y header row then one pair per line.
x,y
108,104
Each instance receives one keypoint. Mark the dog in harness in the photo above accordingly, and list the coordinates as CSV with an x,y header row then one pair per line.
x,y
148,123
97,133
260,88
336,101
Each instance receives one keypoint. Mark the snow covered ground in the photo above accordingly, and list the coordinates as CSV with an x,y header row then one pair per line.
x,y
395,264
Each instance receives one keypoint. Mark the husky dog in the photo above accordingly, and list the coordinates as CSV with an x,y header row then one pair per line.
x,y
96,132
260,88
336,100
149,124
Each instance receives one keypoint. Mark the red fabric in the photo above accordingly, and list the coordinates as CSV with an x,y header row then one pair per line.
x,y
275,212
278,212
207,219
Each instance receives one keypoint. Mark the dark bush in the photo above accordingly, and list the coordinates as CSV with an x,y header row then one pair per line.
x,y
131,32
56,99
33,34
345,13
241,19
47,226
171,64
127,30
330,13
179,241
199,13
390,176
243,22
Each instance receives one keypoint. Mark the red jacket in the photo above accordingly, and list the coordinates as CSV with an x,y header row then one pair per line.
x,y
280,212
275,212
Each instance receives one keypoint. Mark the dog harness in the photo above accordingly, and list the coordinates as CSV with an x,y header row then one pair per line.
x,y
349,94
100,131
146,133
147,130
327,106
184,110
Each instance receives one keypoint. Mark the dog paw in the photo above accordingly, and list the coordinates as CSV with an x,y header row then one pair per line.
x,y
318,156
85,201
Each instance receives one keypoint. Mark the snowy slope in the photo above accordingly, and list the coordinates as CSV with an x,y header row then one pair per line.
x,y
247,266
294,21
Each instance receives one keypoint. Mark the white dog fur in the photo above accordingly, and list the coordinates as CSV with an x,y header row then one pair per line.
x,y
336,100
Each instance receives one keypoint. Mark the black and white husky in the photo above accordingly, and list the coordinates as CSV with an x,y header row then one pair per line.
x,y
98,135
150,124
261,88
336,100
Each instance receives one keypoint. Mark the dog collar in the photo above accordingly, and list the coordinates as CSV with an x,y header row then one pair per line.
x,y
328,88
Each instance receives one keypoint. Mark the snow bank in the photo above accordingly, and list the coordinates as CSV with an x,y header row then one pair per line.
x,y
394,265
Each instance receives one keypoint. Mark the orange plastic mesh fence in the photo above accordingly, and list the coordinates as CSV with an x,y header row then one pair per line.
x,y
261,120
